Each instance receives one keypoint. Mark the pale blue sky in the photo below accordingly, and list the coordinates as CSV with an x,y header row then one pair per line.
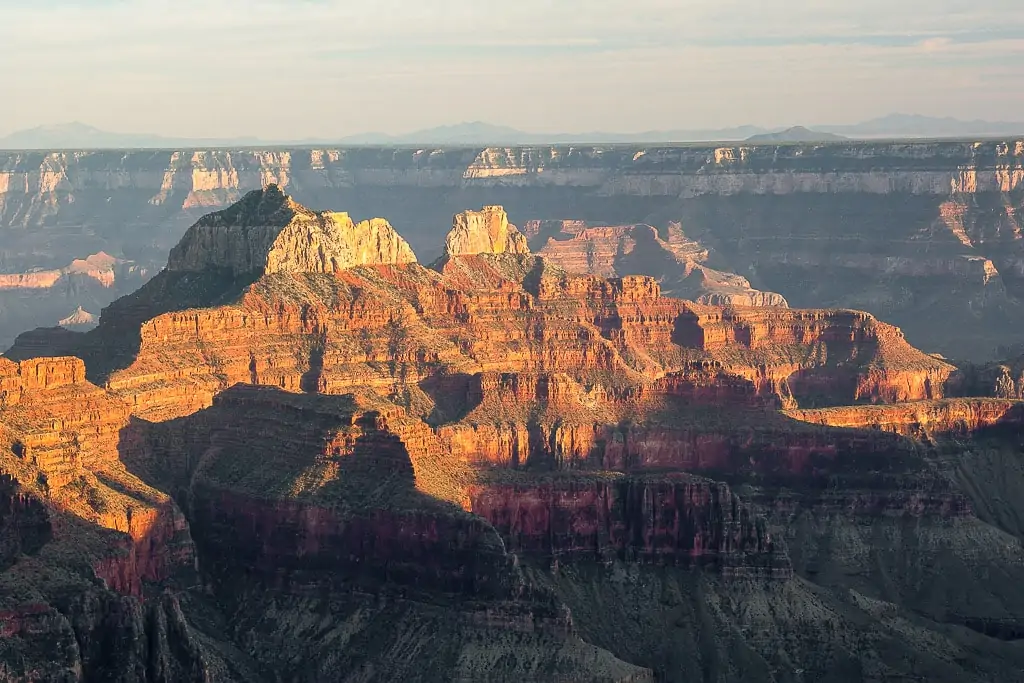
x,y
306,68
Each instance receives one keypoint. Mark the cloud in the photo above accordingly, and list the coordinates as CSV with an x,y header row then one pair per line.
x,y
328,67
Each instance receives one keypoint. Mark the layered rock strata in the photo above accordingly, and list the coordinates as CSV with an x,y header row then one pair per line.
x,y
680,264
364,449
267,232
484,232
63,296
959,417
82,540
898,229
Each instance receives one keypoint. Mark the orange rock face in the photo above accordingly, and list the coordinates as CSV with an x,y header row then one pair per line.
x,y
484,232
378,326
611,251
427,424
60,438
925,418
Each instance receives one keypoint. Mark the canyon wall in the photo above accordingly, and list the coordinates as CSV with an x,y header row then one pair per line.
x,y
489,469
897,229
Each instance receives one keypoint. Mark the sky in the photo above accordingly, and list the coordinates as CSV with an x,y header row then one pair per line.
x,y
290,69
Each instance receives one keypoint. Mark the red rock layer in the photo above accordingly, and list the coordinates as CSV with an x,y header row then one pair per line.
x,y
672,519
519,362
953,416
386,326
455,553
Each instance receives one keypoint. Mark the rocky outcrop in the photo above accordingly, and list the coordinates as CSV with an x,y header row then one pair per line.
x,y
81,539
761,345
200,332
58,422
79,318
898,229
267,232
958,417
62,435
374,327
680,264
484,232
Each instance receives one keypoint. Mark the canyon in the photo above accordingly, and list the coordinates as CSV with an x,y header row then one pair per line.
x,y
924,235
296,453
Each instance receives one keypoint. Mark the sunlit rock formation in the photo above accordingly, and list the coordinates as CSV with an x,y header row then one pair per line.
x,y
267,232
491,469
484,232
899,229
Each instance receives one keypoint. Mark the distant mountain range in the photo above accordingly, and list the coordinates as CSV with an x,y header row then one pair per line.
x,y
78,135
796,134
81,136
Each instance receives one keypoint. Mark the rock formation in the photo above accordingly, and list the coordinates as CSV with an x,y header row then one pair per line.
x,y
484,232
492,469
680,264
960,417
267,232
45,296
79,318
900,229
82,538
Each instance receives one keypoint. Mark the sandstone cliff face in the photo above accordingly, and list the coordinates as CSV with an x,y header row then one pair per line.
x,y
64,488
676,261
378,326
267,232
59,422
484,232
424,459
898,229
960,417
666,520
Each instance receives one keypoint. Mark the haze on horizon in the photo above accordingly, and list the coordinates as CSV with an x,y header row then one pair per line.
x,y
323,68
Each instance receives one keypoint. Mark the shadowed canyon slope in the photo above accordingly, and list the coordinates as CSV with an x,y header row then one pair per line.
x,y
925,235
298,454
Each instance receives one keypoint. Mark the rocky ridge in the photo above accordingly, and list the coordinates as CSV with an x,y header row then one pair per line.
x,y
46,296
267,232
900,229
525,452
680,264
79,318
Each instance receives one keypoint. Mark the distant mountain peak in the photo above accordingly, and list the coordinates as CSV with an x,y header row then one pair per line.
x,y
78,135
796,134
